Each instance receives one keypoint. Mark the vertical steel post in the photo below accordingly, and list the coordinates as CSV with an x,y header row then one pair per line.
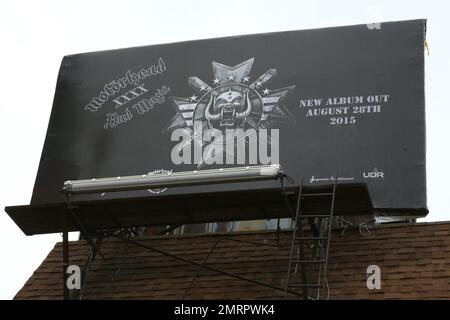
x,y
65,252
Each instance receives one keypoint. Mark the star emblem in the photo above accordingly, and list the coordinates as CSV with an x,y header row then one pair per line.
x,y
227,74
265,110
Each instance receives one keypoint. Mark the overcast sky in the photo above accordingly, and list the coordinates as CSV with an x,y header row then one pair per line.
x,y
35,35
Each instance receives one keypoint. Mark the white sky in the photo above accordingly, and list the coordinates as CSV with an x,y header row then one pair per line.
x,y
35,35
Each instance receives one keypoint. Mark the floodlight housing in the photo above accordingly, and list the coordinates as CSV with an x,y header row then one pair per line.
x,y
174,179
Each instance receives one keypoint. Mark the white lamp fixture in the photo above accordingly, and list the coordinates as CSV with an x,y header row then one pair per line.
x,y
175,179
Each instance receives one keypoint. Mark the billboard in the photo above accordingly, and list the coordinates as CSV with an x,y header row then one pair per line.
x,y
346,101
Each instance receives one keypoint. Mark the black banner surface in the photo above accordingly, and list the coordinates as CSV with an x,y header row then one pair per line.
x,y
346,101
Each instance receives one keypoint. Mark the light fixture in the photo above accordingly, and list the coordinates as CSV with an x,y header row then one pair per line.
x,y
174,179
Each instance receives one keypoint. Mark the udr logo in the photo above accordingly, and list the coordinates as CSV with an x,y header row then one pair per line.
x,y
234,112
374,174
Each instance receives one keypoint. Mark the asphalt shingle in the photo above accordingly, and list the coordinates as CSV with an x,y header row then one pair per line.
x,y
414,261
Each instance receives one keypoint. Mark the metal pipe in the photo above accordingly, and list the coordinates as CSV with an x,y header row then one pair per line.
x,y
65,247
211,251
204,266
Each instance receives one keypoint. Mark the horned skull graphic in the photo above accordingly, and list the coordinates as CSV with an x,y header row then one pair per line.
x,y
230,108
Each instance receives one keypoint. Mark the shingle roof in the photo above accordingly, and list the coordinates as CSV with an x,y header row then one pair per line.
x,y
414,261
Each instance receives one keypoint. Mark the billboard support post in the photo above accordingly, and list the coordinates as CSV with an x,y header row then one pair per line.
x,y
65,247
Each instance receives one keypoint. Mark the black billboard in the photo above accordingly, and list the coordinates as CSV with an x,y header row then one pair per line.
x,y
346,101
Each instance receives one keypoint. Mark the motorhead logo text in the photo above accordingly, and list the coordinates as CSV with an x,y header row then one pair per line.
x,y
229,121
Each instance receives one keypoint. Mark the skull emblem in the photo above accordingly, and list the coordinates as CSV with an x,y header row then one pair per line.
x,y
228,108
